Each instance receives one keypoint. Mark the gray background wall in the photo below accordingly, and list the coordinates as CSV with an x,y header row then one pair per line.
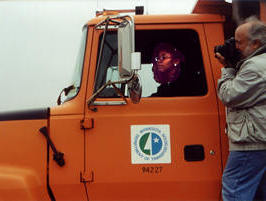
x,y
39,41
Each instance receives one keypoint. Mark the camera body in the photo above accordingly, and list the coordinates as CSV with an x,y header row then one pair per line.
x,y
229,52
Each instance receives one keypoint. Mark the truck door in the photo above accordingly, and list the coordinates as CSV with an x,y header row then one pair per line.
x,y
164,148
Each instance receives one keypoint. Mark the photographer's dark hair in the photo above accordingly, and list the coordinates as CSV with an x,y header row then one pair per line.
x,y
257,30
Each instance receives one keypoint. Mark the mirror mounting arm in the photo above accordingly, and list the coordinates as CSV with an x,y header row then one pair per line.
x,y
102,44
115,20
119,92
94,96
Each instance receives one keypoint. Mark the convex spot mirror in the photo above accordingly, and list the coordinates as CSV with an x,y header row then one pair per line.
x,y
135,89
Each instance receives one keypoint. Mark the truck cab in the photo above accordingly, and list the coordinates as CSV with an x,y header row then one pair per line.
x,y
112,148
109,138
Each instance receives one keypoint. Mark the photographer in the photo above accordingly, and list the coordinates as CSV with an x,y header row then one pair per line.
x,y
242,89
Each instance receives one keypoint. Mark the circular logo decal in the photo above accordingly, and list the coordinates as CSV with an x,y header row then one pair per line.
x,y
150,144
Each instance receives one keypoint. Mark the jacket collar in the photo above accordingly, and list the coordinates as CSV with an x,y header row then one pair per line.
x,y
257,52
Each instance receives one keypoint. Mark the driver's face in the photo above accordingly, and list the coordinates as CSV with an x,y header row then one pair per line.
x,y
163,60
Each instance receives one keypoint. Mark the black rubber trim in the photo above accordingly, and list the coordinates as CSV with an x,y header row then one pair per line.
x,y
49,189
31,114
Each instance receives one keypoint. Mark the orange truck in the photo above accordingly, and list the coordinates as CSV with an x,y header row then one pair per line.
x,y
108,139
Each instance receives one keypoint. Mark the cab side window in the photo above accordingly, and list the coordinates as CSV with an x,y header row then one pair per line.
x,y
187,65
183,46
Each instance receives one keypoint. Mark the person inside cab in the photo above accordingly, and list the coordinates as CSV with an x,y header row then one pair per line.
x,y
168,63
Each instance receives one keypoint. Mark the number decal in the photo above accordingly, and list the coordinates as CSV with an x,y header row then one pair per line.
x,y
152,170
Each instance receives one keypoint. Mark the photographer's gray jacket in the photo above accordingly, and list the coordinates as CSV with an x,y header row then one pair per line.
x,y
243,92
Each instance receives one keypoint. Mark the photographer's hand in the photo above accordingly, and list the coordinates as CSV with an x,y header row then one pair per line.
x,y
220,58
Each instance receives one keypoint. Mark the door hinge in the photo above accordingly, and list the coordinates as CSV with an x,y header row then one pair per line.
x,y
87,123
87,177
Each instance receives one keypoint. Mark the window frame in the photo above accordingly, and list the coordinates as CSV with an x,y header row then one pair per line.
x,y
198,28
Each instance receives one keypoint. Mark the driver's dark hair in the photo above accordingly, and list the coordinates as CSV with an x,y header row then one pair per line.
x,y
175,53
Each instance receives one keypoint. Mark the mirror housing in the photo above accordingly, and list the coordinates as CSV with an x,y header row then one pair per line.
x,y
128,59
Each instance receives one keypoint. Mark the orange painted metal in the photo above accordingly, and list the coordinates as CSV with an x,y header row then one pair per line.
x,y
162,19
263,11
69,138
192,121
23,161
217,31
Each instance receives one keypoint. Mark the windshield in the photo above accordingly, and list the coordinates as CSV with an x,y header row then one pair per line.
x,y
76,79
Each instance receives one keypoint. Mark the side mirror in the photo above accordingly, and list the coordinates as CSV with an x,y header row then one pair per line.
x,y
128,59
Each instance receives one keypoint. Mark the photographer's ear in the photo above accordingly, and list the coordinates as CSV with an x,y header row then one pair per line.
x,y
256,44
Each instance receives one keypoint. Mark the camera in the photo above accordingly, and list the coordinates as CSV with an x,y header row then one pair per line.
x,y
229,52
